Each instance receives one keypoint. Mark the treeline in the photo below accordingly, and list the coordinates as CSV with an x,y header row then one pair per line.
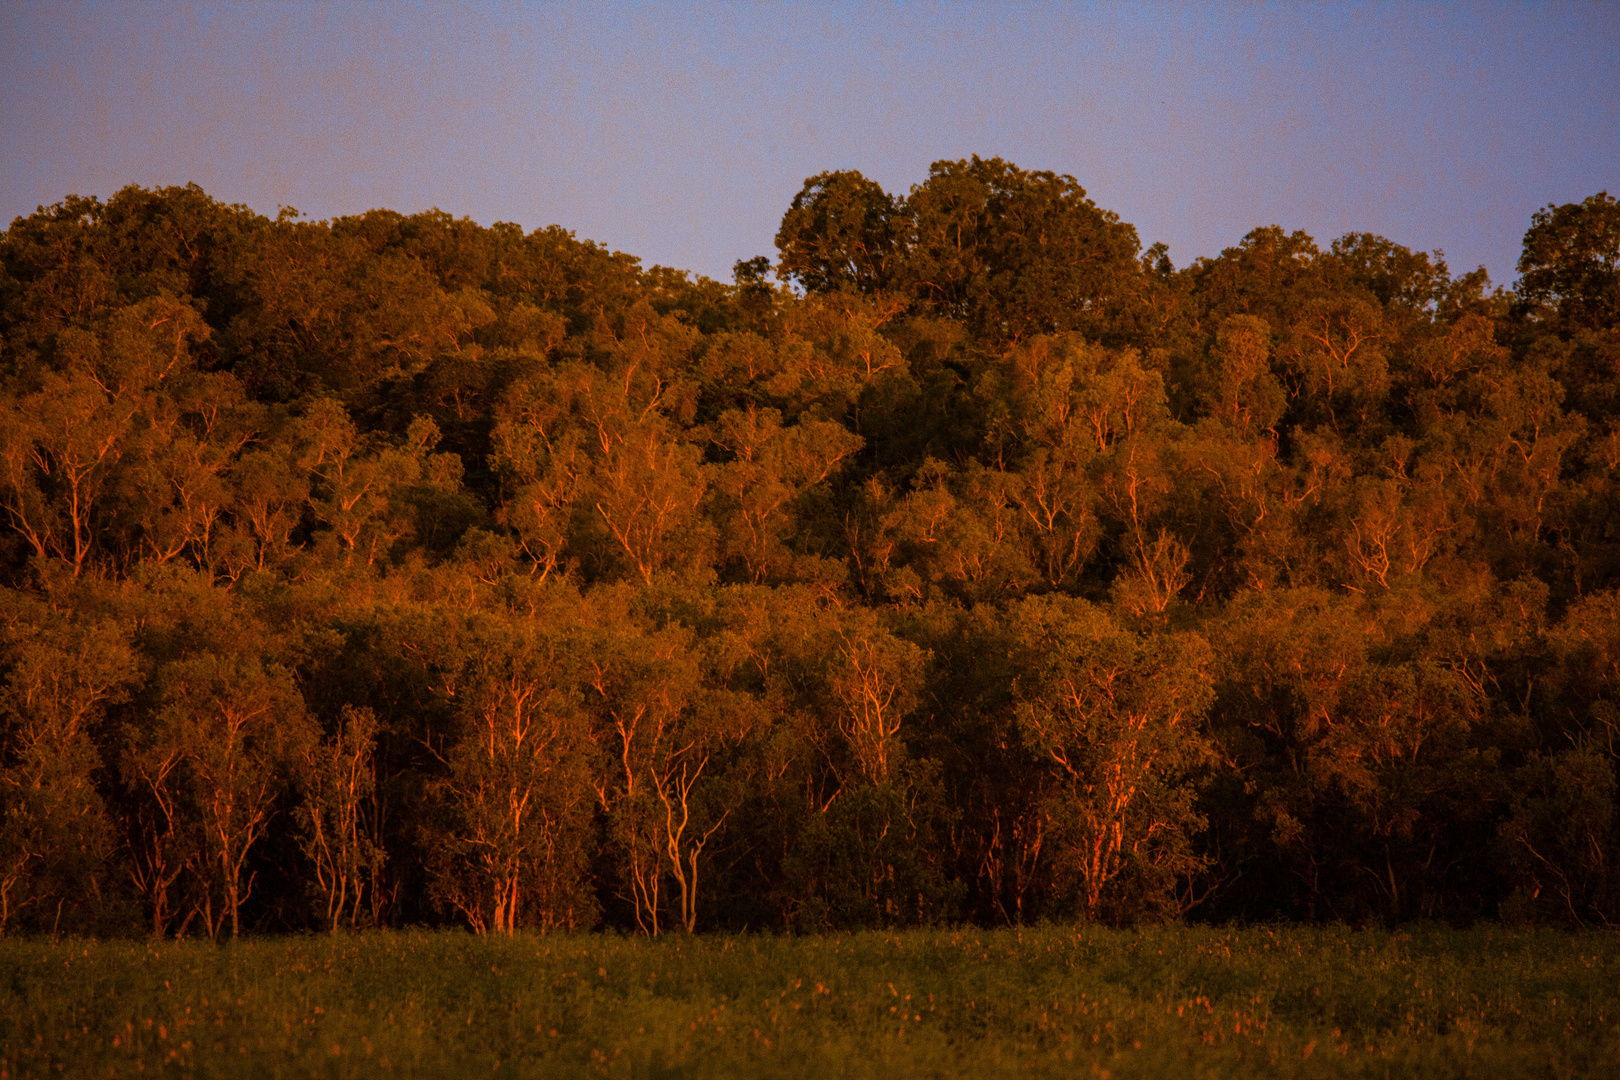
x,y
979,565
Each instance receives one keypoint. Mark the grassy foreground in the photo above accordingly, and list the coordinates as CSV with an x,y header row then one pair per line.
x,y
1179,1001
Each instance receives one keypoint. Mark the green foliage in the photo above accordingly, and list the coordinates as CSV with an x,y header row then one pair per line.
x,y
516,788
399,570
1571,262
1007,253
841,231
1118,716
338,816
57,836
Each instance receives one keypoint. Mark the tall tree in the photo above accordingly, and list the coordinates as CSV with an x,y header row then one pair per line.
x,y
56,840
517,779
220,756
1012,253
842,231
1571,262
1118,717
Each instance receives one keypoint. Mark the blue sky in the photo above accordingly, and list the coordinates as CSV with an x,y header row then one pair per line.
x,y
680,132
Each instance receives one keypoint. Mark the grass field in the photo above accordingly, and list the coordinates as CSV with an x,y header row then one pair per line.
x,y
1167,1002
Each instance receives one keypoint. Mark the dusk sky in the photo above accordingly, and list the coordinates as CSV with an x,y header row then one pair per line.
x,y
680,133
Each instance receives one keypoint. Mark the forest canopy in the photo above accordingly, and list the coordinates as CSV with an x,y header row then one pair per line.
x,y
964,562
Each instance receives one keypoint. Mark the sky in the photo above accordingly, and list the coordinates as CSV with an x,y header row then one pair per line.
x,y
681,132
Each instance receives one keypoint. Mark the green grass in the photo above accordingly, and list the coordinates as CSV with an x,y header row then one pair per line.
x,y
1170,1002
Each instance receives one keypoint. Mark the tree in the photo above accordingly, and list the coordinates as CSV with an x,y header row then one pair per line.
x,y
62,444
562,588
360,485
1571,262
1075,431
1239,389
517,778
1006,252
56,837
1271,274
1357,727
338,815
771,467
1559,839
172,499
1118,716
598,469
326,310
222,751
873,677
842,231
1012,253
1567,318
1335,356
663,723
966,532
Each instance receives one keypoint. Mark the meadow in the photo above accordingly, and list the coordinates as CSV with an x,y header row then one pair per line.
x,y
1182,1001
